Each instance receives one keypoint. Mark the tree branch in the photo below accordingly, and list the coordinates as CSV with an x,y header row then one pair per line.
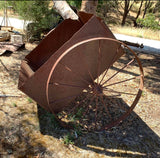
x,y
64,10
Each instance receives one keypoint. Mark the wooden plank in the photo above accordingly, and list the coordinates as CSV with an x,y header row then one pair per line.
x,y
8,46
6,28
4,35
4,39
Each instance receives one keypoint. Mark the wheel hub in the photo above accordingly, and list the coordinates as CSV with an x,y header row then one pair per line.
x,y
97,89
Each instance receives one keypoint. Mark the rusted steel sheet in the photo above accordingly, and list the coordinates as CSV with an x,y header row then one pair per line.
x,y
41,68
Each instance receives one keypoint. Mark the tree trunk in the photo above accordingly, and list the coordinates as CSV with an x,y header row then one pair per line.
x,y
125,12
157,7
127,8
138,13
64,9
146,7
139,10
89,6
124,18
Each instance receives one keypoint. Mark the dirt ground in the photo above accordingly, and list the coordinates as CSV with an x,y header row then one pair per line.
x,y
27,130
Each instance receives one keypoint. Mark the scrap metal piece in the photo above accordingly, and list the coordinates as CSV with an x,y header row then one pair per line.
x,y
41,59
69,60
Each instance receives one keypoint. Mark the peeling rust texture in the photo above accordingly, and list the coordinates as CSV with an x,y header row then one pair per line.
x,y
41,68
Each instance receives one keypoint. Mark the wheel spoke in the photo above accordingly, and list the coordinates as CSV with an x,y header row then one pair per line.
x,y
106,108
99,62
92,80
110,63
91,100
76,106
69,85
119,71
75,74
87,68
121,81
96,112
110,90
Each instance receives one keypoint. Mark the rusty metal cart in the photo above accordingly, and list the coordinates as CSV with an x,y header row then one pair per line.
x,y
81,74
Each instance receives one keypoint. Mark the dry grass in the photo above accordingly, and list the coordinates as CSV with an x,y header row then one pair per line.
x,y
23,133
137,32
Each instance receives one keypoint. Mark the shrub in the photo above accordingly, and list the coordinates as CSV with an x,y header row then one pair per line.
x,y
43,17
149,22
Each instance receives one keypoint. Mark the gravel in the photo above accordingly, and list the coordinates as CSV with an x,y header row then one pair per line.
x,y
23,133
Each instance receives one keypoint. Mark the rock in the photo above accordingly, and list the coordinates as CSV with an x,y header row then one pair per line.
x,y
16,39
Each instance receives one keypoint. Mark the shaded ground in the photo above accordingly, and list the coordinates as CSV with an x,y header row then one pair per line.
x,y
28,130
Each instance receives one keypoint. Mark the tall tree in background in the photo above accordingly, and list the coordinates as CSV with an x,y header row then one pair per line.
x,y
127,7
89,6
138,14
43,18
157,7
37,11
139,10
66,12
147,5
64,9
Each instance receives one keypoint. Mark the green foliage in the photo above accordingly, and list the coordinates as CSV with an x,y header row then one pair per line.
x,y
74,3
68,139
31,10
143,93
105,8
78,130
29,100
2,5
72,135
49,119
38,12
157,7
14,104
42,16
79,113
53,121
149,22
76,116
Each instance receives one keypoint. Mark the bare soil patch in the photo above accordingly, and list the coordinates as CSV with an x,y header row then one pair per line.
x,y
27,130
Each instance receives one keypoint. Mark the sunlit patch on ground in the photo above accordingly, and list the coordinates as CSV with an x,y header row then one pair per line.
x,y
28,130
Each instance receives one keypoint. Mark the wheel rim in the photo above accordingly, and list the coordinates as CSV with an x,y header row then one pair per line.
x,y
99,102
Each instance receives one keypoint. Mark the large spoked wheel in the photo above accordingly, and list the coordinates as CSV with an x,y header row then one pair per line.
x,y
95,84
